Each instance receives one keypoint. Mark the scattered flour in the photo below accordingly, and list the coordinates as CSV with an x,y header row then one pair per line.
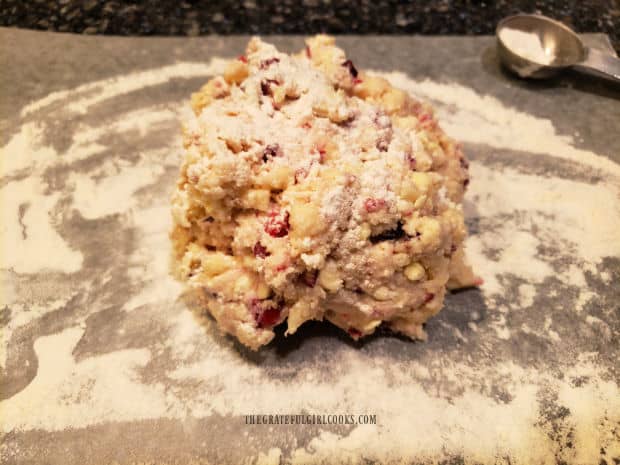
x,y
412,420
568,213
69,394
148,263
25,150
81,98
24,314
29,243
272,457
527,292
117,189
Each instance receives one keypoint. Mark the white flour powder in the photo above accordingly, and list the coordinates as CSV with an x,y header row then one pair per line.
x,y
105,388
526,44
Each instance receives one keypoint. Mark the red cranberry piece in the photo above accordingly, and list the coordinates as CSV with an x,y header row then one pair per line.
x,y
264,88
309,277
465,182
425,117
374,205
269,317
268,62
308,52
464,163
411,160
260,250
357,81
265,313
242,58
354,333
349,64
271,151
276,225
428,297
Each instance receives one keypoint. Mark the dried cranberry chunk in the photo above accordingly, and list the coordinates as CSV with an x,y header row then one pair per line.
x,y
264,87
277,225
260,250
352,70
268,62
269,317
271,151
354,332
424,117
265,312
282,266
411,160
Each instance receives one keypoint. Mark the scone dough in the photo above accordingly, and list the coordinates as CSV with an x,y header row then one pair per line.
x,y
310,190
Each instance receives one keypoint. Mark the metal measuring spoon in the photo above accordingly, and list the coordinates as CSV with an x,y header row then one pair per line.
x,y
560,46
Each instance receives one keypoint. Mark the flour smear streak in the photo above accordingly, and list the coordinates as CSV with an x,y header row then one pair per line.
x,y
413,422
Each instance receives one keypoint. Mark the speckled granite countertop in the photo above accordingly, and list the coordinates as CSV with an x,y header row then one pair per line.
x,y
103,361
300,17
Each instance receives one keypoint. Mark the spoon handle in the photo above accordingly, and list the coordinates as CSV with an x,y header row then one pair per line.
x,y
600,64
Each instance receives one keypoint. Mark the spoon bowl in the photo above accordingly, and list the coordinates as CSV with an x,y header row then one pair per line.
x,y
561,46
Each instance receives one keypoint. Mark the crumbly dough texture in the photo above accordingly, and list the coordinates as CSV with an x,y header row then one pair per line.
x,y
310,190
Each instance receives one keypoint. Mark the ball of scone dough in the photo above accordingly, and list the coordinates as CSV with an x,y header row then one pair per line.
x,y
310,191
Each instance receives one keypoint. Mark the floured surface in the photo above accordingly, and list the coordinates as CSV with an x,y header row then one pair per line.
x,y
102,361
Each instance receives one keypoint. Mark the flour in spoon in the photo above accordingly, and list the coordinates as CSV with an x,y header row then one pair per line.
x,y
527,45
